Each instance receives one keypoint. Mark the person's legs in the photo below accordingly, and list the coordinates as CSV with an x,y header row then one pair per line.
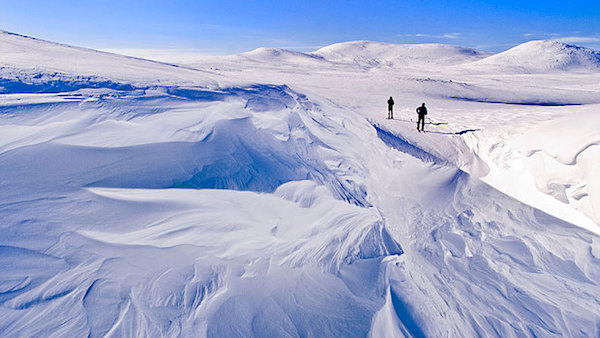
x,y
422,123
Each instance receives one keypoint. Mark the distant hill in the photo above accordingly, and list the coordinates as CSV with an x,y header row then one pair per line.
x,y
373,54
365,54
541,56
281,55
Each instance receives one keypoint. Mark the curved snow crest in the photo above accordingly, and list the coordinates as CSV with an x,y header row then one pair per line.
x,y
290,223
207,253
541,56
254,138
563,154
157,260
220,222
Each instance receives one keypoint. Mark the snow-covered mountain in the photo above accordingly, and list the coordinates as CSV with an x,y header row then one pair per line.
x,y
235,199
542,56
280,55
365,54
369,53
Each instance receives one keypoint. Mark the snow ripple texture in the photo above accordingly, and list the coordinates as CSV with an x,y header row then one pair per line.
x,y
255,210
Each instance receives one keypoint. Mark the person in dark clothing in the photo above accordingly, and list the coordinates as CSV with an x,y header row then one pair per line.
x,y
390,108
422,111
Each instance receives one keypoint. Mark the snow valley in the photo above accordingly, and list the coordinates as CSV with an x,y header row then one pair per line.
x,y
265,193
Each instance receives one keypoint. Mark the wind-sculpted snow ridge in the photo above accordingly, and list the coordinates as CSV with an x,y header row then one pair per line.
x,y
566,161
307,240
185,209
250,149
484,264
161,260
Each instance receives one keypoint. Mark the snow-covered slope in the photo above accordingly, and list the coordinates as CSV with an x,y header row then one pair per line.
x,y
254,209
30,61
372,54
541,56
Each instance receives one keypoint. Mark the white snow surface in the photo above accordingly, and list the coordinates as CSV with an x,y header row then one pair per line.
x,y
543,56
264,194
370,53
33,60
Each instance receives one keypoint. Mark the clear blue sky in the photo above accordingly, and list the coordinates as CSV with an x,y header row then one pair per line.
x,y
231,26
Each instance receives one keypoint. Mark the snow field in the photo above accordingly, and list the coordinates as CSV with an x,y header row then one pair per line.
x,y
487,107
152,200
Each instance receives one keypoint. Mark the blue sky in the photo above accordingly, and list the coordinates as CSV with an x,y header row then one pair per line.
x,y
231,26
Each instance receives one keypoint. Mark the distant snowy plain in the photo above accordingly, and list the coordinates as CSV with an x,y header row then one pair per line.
x,y
265,194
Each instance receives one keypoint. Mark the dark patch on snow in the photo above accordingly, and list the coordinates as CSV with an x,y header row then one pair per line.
x,y
377,243
466,131
403,145
404,312
53,83
519,103
42,299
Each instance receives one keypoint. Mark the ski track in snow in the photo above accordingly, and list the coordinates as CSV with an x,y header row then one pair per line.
x,y
142,205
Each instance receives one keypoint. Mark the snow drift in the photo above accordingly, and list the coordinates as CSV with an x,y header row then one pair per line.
x,y
178,207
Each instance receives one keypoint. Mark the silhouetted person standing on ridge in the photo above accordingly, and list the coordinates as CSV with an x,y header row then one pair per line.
x,y
422,111
390,108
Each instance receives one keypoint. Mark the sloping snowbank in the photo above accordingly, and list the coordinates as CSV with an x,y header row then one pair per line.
x,y
564,155
160,259
374,240
29,60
